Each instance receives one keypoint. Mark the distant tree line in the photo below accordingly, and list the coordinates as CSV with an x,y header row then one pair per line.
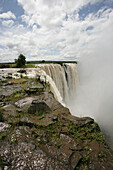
x,y
4,66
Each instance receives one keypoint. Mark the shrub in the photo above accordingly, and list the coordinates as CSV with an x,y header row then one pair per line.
x,y
20,62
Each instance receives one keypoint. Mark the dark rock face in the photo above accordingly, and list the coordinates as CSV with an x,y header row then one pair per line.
x,y
38,108
37,132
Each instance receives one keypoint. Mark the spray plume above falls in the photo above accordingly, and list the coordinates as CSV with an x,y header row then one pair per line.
x,y
53,30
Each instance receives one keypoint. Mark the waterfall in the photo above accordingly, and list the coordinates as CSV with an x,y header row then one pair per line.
x,y
61,77
64,76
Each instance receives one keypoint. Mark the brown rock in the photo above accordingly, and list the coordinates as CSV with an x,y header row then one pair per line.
x,y
75,158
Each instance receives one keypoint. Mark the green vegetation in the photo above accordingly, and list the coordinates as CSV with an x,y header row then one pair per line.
x,y
85,158
31,64
20,62
85,132
2,135
102,155
15,95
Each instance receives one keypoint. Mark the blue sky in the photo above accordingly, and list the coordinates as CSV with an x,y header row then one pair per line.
x,y
53,29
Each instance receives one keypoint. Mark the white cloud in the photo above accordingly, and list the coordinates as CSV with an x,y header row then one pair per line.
x,y
8,23
7,15
68,37
49,13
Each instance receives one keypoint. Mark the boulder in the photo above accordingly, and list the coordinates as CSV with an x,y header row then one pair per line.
x,y
39,108
24,102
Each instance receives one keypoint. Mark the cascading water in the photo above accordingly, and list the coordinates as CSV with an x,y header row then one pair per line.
x,y
65,77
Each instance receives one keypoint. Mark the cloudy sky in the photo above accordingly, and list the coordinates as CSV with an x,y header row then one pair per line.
x,y
53,29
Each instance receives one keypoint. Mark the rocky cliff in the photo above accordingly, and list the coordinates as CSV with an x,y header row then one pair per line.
x,y
37,132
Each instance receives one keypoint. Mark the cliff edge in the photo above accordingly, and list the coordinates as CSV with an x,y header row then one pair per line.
x,y
37,132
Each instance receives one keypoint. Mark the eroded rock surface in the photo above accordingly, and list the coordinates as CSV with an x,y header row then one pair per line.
x,y
37,132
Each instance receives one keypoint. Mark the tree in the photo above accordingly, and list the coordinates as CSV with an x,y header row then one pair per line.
x,y
20,62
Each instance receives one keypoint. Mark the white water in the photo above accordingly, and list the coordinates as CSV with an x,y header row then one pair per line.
x,y
33,73
64,76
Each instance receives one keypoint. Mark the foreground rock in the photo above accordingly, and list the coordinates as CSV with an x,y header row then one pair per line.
x,y
37,132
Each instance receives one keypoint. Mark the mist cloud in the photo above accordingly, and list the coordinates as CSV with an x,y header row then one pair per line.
x,y
94,95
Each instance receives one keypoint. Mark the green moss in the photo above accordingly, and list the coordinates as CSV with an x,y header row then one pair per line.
x,y
95,123
38,144
87,132
85,158
87,147
3,135
102,155
83,137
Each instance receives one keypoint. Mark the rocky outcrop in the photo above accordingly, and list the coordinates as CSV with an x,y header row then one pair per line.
x,y
37,132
